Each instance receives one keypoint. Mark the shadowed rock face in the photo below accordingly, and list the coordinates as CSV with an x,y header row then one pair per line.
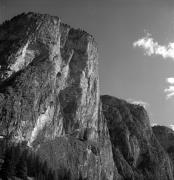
x,y
137,154
165,136
49,98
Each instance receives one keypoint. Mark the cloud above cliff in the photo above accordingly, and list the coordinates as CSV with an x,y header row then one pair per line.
x,y
171,127
139,102
151,47
154,124
170,90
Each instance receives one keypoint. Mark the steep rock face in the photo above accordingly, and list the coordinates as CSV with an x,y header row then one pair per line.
x,y
48,79
165,136
137,153
49,95
91,160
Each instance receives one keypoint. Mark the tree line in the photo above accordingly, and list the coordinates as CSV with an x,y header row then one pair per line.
x,y
21,162
18,161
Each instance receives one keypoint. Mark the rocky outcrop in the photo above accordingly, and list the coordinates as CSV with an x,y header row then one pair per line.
x,y
49,99
49,80
136,151
165,136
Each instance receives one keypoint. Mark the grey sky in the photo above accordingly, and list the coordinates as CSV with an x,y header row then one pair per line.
x,y
116,24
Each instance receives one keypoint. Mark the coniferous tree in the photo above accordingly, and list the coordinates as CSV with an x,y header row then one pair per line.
x,y
21,167
8,167
40,176
51,175
63,174
45,169
30,164
37,165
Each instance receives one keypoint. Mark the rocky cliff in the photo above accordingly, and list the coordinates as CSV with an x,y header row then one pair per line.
x,y
49,94
49,79
165,136
50,99
136,151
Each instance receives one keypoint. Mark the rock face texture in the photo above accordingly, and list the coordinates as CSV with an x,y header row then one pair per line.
x,y
50,99
137,154
165,136
49,94
48,79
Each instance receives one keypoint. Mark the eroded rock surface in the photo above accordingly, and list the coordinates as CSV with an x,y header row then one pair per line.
x,y
137,153
49,95
49,79
165,136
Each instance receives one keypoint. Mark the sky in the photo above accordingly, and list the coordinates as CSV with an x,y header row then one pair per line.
x,y
136,45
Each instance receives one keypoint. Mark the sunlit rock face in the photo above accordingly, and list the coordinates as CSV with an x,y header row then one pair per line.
x,y
49,95
82,158
48,79
137,153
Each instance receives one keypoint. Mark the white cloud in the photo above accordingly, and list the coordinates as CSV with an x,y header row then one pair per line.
x,y
139,102
170,80
171,126
169,91
154,124
152,47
